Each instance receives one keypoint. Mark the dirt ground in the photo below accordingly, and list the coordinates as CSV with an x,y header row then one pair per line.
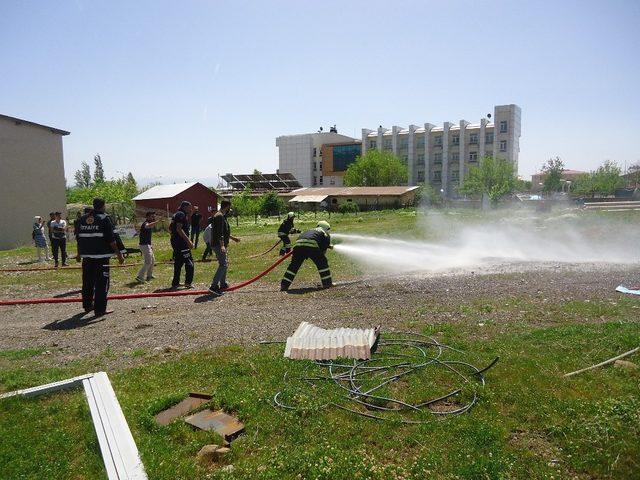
x,y
161,326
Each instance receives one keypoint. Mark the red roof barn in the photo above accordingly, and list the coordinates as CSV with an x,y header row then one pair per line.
x,y
167,199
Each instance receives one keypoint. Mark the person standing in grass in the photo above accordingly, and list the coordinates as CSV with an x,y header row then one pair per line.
x,y
220,236
59,234
52,217
146,229
182,246
39,239
196,218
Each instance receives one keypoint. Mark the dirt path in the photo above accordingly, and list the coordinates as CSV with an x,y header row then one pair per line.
x,y
261,312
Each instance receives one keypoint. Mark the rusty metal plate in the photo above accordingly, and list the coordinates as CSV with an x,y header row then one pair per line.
x,y
225,425
193,401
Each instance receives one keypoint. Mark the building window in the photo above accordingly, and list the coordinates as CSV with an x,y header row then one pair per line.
x,y
438,140
372,144
421,159
315,166
314,181
473,156
405,159
488,154
420,142
437,176
503,145
503,126
404,143
320,179
386,144
455,140
320,166
315,152
455,175
488,138
455,156
437,158
420,176
473,139
345,155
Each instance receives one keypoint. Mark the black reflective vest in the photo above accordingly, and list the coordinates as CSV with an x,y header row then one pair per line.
x,y
286,226
95,235
316,238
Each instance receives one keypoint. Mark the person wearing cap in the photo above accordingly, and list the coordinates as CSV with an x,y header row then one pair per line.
x,y
39,239
220,236
146,271
312,244
58,231
179,230
284,230
96,246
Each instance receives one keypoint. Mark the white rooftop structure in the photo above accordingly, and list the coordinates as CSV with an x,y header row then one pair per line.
x,y
164,191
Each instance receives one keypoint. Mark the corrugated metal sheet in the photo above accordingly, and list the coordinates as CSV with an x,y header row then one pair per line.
x,y
315,343
309,198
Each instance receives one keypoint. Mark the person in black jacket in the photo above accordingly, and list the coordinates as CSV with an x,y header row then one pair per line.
x,y
96,245
286,229
179,229
196,218
220,236
311,244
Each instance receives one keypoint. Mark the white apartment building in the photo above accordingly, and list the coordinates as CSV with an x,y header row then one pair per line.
x,y
438,155
300,155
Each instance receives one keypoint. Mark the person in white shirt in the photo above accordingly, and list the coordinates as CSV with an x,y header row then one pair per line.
x,y
59,238
206,236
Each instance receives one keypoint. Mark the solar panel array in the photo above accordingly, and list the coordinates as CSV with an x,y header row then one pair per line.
x,y
263,181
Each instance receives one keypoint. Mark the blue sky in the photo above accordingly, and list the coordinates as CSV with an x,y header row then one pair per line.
x,y
189,90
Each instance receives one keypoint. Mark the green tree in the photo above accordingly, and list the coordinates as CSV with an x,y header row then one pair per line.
x,y
584,185
82,176
98,171
552,169
522,185
494,177
607,178
271,204
131,180
244,204
376,169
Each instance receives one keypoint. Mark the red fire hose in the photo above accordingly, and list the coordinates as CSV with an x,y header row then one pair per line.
x,y
264,253
126,296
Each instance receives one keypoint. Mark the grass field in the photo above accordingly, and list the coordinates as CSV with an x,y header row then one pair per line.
x,y
529,422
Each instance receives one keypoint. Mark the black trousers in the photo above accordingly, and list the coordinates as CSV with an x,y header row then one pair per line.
x,y
182,257
195,233
95,284
286,244
300,254
59,244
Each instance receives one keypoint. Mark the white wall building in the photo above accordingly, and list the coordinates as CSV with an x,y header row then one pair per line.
x,y
438,155
300,155
32,173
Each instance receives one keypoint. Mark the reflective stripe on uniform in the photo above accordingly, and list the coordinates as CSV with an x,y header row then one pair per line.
x,y
87,235
290,273
326,277
305,242
285,279
103,255
324,270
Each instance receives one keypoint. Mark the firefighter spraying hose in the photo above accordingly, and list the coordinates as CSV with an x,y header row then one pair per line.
x,y
312,244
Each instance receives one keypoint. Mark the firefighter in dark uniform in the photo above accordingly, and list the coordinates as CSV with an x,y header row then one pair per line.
x,y
96,245
286,229
179,229
311,244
